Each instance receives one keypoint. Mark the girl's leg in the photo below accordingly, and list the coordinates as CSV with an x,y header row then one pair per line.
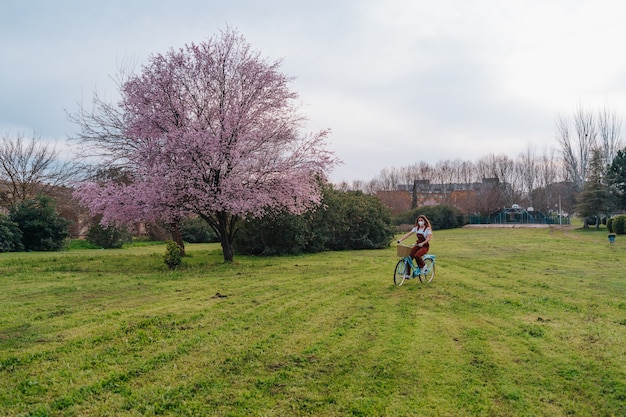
x,y
417,253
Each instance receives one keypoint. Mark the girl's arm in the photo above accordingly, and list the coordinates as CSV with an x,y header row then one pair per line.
x,y
405,236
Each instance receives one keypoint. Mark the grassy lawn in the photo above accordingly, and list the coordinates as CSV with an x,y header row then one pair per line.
x,y
517,322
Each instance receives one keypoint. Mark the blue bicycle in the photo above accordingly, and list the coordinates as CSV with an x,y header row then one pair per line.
x,y
407,269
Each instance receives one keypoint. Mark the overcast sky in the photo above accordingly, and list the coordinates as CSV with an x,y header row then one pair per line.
x,y
396,81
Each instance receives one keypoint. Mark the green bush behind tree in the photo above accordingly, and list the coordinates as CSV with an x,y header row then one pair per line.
x,y
107,237
440,217
196,230
345,221
10,235
43,229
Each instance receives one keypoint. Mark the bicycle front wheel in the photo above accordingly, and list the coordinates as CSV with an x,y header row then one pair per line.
x,y
400,273
429,267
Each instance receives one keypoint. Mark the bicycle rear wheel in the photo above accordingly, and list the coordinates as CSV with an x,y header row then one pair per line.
x,y
400,273
429,267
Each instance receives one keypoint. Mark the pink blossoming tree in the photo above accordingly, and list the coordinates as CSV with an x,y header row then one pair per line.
x,y
212,130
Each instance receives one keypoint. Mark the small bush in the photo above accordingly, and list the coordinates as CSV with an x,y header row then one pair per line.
x,y
43,229
10,235
590,221
173,255
441,217
107,237
609,225
619,224
196,230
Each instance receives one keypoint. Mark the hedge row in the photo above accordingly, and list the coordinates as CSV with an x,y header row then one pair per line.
x,y
617,224
440,217
345,221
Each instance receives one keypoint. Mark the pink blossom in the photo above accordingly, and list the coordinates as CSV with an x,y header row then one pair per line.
x,y
215,133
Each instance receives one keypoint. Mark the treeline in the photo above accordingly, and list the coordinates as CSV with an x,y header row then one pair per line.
x,y
346,220
531,180
586,177
583,174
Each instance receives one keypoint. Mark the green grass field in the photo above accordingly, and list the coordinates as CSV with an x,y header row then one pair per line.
x,y
517,322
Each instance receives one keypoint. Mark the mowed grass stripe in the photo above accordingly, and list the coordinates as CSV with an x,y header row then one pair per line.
x,y
258,352
119,379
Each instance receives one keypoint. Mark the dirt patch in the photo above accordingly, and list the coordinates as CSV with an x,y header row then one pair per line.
x,y
564,230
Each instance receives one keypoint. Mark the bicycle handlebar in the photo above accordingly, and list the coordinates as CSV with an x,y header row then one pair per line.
x,y
402,244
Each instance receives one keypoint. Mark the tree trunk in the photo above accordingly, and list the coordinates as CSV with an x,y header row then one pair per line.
x,y
226,236
224,226
227,248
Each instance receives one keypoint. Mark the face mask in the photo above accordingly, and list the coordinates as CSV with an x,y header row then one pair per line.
x,y
421,223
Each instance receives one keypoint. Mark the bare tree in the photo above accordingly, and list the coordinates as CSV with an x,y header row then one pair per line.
x,y
466,173
388,179
355,185
547,174
609,131
101,140
496,166
29,167
587,133
548,169
445,177
527,167
498,176
576,151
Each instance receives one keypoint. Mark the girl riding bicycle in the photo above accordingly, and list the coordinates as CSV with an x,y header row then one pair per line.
x,y
424,233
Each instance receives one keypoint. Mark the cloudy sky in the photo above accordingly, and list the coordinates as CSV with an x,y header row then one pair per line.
x,y
397,81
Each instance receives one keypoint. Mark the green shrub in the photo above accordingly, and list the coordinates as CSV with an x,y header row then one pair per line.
x,y
440,216
43,229
609,225
196,230
352,220
619,224
173,255
276,233
344,221
10,235
107,237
